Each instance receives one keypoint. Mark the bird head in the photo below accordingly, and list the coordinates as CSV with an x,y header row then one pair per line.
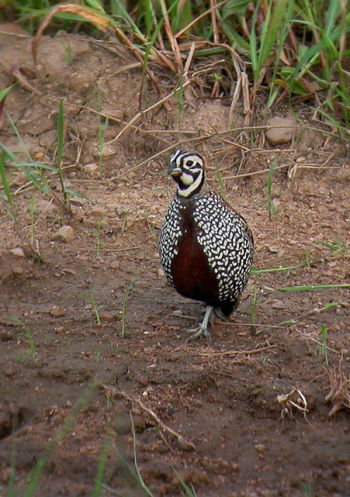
x,y
187,170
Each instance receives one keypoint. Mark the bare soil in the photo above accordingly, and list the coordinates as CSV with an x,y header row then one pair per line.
x,y
245,414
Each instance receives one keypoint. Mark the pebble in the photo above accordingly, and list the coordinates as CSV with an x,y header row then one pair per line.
x,y
91,169
283,130
64,234
57,311
17,270
17,252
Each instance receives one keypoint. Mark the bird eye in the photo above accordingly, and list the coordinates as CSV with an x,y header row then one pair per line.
x,y
189,163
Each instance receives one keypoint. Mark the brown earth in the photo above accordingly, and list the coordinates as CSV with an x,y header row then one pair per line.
x,y
245,414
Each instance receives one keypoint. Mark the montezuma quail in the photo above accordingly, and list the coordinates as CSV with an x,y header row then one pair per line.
x,y
206,248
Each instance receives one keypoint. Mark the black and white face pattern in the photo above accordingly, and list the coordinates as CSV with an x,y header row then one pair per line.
x,y
187,170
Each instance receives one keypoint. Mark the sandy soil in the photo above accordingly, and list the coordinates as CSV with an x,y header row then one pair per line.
x,y
245,414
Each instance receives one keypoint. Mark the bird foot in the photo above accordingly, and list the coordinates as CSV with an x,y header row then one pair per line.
x,y
197,332
202,329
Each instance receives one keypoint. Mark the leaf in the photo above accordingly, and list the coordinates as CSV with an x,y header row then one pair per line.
x,y
4,92
234,7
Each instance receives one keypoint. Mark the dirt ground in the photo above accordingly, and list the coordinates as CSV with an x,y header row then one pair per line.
x,y
94,358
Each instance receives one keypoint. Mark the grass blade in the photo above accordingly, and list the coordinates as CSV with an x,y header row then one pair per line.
x,y
60,144
314,288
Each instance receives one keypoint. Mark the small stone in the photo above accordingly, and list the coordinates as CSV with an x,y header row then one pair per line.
x,y
108,150
260,447
38,155
64,234
98,212
106,316
278,304
57,311
115,113
17,252
282,130
91,170
17,270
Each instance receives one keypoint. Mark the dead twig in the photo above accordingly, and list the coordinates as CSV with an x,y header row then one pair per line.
x,y
145,111
183,443
339,393
237,352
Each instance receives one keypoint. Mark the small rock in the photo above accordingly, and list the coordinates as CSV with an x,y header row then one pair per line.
x,y
106,316
260,447
64,234
278,304
18,252
91,169
98,212
5,336
108,150
116,113
57,311
17,270
282,130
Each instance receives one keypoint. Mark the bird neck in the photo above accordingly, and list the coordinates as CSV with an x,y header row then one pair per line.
x,y
195,188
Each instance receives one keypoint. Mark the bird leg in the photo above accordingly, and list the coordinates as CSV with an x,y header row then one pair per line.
x,y
202,329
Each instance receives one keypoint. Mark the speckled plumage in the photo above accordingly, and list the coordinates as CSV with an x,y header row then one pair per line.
x,y
206,248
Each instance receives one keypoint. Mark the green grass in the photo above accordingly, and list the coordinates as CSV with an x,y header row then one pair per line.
x,y
314,288
322,344
96,308
102,462
336,246
291,49
31,352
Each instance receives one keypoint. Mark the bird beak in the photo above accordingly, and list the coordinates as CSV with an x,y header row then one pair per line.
x,y
173,170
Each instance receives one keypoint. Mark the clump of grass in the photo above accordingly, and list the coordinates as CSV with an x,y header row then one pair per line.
x,y
96,308
102,462
31,352
307,488
336,246
293,48
321,348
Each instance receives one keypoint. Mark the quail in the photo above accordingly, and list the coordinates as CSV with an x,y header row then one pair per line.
x,y
206,248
